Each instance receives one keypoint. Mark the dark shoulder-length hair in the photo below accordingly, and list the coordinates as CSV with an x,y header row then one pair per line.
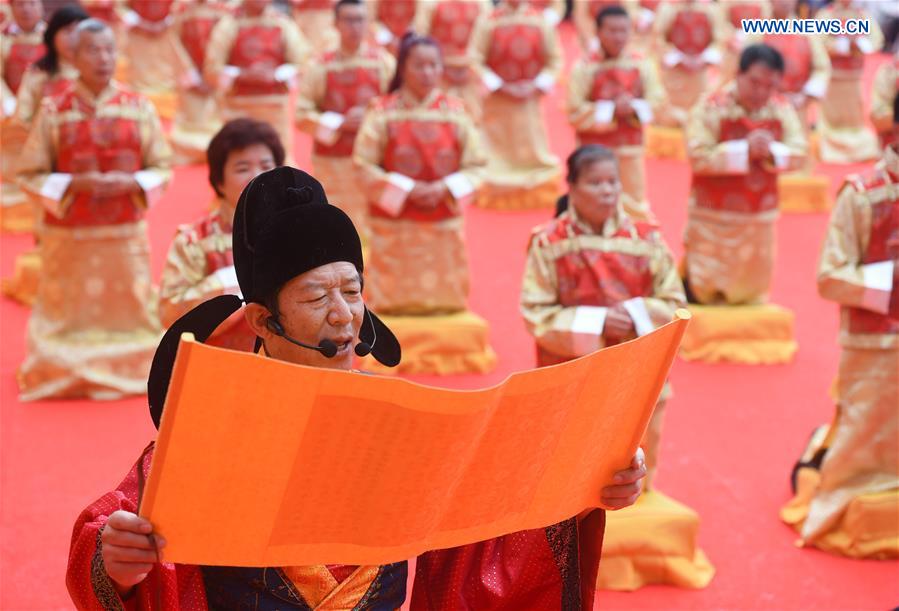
x,y
61,18
409,41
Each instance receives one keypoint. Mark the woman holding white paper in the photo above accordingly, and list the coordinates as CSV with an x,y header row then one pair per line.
x,y
419,155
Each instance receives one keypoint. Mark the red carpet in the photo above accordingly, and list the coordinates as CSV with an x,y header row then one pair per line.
x,y
731,434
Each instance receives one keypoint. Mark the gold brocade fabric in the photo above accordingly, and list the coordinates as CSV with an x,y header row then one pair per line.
x,y
273,109
197,119
685,88
93,329
318,28
730,256
845,136
337,176
416,268
157,79
884,90
863,455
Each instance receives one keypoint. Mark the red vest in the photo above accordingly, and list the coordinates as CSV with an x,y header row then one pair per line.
x,y
313,5
396,15
55,86
98,144
751,193
240,336
255,45
797,54
347,88
452,23
152,10
596,277
690,32
652,5
738,11
516,52
422,150
21,56
856,59
195,34
883,245
104,10
609,83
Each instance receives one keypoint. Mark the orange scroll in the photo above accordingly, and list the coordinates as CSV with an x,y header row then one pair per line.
x,y
265,463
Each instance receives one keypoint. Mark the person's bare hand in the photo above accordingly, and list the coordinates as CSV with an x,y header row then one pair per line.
x,y
759,144
259,73
693,63
127,549
797,100
427,195
113,184
201,88
85,182
618,324
627,484
352,119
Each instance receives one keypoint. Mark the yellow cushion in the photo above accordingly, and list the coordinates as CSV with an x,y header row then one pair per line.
x,y
443,345
23,285
539,197
18,217
653,542
803,193
665,143
757,334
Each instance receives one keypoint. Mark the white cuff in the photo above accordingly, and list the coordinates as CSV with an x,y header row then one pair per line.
x,y
781,154
189,79
815,87
593,45
864,45
736,156
328,125
551,17
285,73
878,279
53,190
393,197
645,18
9,106
643,110
227,277
151,184
604,111
589,319
227,76
459,185
673,58
131,19
383,36
636,309
842,45
711,56
545,81
491,80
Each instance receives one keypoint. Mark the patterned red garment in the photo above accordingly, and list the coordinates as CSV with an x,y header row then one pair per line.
x,y
425,150
258,45
883,245
21,56
168,587
690,32
516,51
452,23
152,10
608,84
738,11
797,53
91,143
545,568
396,15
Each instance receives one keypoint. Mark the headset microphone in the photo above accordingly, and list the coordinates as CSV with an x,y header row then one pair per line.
x,y
326,346
364,348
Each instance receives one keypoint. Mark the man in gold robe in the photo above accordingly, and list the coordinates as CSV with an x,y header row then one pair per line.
x,y
739,139
95,159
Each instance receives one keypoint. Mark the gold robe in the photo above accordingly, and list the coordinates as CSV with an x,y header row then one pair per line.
x,y
317,114
315,19
459,77
198,116
233,39
12,137
93,329
729,239
522,172
565,312
735,40
885,88
418,264
845,137
863,454
685,87
156,78
592,116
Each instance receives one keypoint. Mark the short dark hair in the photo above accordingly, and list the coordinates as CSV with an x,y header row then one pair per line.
x,y
409,41
584,156
236,135
342,3
761,53
615,10
61,18
896,109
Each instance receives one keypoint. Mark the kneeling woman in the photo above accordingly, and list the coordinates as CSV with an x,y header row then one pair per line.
x,y
420,160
